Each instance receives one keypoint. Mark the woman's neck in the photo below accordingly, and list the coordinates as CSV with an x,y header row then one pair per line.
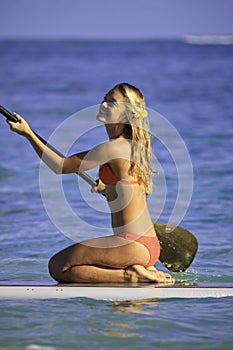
x,y
115,131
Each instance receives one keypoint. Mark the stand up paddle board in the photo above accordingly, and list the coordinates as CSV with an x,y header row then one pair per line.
x,y
116,292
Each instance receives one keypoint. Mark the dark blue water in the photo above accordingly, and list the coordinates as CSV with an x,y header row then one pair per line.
x,y
190,86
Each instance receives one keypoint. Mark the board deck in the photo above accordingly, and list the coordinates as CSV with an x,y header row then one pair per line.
x,y
116,292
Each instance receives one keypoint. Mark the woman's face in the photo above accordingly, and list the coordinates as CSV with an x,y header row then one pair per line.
x,y
111,108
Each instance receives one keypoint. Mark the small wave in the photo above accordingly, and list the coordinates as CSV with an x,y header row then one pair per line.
x,y
209,39
39,347
7,172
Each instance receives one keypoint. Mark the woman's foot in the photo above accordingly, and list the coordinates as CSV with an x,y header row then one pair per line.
x,y
138,273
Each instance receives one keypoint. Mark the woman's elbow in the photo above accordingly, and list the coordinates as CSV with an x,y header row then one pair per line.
x,y
68,167
64,170
58,171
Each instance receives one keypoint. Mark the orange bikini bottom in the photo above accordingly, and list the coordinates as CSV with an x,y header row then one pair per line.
x,y
151,243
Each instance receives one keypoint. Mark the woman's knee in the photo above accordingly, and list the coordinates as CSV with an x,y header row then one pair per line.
x,y
55,269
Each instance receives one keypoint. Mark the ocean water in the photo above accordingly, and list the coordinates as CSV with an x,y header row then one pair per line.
x,y
190,88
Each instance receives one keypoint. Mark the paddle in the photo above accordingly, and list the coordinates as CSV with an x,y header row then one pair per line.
x,y
178,245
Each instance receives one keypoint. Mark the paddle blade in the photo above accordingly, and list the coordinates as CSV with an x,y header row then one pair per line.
x,y
178,246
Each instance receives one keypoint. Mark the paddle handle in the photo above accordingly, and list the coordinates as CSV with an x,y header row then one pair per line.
x,y
8,115
13,118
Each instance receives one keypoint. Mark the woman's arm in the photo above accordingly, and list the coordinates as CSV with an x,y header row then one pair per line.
x,y
79,162
53,160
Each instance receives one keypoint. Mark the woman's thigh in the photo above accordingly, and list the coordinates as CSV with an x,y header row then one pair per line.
x,y
110,251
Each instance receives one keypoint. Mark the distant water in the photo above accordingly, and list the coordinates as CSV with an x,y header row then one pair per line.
x,y
191,86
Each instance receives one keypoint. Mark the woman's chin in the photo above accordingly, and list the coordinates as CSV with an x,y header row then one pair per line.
x,y
101,118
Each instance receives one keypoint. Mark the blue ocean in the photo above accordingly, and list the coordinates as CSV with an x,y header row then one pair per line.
x,y
189,86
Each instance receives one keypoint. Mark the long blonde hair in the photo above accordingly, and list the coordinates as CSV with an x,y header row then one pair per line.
x,y
137,130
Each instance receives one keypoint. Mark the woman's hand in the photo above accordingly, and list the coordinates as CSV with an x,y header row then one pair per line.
x,y
99,188
21,127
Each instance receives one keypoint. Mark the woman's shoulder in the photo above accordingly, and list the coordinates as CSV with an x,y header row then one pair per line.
x,y
107,152
117,147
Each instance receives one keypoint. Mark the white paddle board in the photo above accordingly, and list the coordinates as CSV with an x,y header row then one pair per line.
x,y
116,292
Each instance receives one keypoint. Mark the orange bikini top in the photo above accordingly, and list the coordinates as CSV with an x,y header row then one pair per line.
x,y
108,177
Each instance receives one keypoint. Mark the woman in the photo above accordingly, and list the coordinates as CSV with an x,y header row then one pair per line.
x,y
125,176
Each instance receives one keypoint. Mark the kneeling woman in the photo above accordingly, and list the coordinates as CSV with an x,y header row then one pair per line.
x,y
125,175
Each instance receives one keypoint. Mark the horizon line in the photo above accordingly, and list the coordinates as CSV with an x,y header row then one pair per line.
x,y
188,38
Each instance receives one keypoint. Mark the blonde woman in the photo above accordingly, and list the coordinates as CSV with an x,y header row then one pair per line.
x,y
125,176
